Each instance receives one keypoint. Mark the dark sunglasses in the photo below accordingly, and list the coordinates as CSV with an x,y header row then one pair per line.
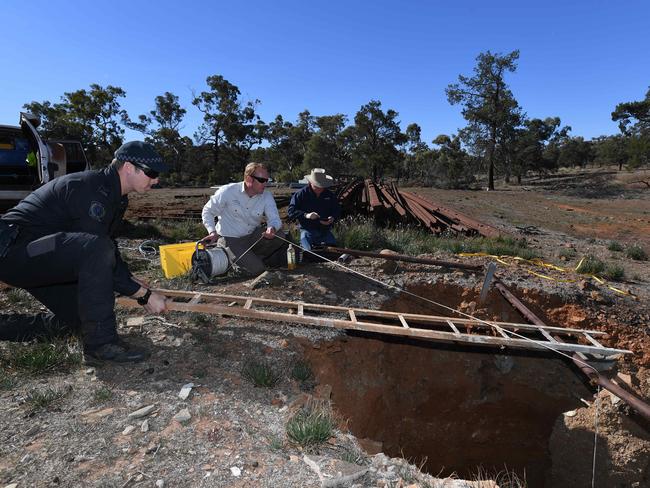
x,y
150,173
260,179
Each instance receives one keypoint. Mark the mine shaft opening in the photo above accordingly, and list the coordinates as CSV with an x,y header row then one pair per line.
x,y
453,409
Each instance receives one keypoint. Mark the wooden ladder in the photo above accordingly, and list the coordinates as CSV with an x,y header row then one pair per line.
x,y
431,327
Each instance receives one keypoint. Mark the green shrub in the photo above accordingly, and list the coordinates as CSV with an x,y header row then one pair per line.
x,y
614,272
7,381
260,374
309,428
636,252
614,246
301,371
41,399
103,394
590,265
568,253
41,357
359,234
19,297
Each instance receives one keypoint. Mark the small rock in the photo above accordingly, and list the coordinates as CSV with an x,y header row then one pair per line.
x,y
135,321
128,429
145,426
142,412
183,416
570,413
185,391
236,472
90,371
160,483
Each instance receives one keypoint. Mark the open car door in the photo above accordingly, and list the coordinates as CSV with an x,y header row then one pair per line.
x,y
28,124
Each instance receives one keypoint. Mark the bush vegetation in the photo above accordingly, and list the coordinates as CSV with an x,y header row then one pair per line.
x,y
312,425
364,235
637,253
41,357
260,373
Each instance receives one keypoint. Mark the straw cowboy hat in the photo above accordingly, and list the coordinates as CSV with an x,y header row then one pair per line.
x,y
318,178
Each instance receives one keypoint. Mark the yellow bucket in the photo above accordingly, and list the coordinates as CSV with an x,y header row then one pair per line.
x,y
176,259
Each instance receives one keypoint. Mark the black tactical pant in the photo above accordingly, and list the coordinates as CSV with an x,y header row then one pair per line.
x,y
71,273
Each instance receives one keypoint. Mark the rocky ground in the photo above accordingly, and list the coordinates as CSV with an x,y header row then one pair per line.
x,y
119,426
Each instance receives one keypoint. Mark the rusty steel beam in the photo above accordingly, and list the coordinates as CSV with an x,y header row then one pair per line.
x,y
628,397
373,199
427,218
391,200
483,229
403,257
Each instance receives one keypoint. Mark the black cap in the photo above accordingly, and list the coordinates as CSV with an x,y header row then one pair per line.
x,y
142,155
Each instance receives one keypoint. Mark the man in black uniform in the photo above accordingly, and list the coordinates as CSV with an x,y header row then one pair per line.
x,y
57,244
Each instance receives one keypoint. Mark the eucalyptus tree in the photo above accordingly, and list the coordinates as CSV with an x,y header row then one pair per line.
x,y
453,162
230,126
375,138
634,121
488,106
532,148
328,147
288,143
93,116
161,126
414,165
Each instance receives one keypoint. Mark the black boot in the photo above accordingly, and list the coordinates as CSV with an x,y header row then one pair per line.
x,y
119,352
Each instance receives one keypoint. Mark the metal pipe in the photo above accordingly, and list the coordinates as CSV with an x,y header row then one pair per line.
x,y
402,257
630,398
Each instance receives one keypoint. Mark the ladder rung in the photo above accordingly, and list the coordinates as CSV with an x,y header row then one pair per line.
x,y
301,309
547,335
248,303
403,321
196,299
453,327
353,317
592,340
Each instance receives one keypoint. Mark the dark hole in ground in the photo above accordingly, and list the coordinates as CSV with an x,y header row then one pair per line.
x,y
454,408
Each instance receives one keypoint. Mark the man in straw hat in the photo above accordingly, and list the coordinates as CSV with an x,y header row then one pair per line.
x,y
316,208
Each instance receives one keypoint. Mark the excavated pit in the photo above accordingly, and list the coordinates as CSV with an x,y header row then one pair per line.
x,y
453,408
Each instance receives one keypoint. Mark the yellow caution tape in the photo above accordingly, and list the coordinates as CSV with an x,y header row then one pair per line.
x,y
542,264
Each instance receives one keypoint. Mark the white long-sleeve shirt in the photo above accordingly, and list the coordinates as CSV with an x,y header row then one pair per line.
x,y
238,213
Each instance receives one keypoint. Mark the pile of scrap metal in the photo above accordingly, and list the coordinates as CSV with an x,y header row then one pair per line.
x,y
386,203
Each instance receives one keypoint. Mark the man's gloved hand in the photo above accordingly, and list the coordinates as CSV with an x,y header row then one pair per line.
x,y
269,233
312,216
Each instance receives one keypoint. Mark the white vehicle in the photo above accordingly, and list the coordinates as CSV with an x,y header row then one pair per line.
x,y
27,161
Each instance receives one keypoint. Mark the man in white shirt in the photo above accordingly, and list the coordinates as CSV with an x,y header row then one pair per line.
x,y
241,207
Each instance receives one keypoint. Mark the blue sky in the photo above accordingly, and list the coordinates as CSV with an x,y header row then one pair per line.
x,y
578,58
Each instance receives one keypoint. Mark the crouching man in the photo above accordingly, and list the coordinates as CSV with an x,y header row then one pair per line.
x,y
58,246
241,208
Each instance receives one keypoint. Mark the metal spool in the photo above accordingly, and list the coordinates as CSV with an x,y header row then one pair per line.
x,y
210,262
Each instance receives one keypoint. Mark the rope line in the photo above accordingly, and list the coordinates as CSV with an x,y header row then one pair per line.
x,y
593,462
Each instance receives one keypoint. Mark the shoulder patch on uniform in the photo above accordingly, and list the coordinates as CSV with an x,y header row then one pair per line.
x,y
97,211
